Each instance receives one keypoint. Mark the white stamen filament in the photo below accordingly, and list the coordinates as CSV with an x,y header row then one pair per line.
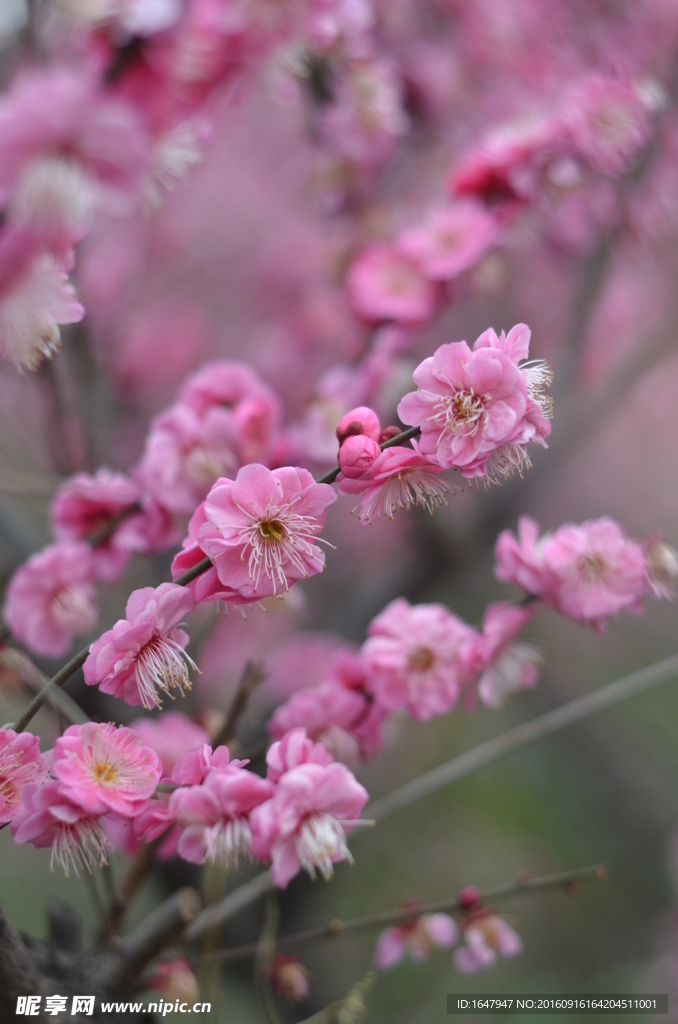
x,y
73,609
228,841
162,665
15,776
320,842
408,488
78,845
460,413
110,761
539,375
504,462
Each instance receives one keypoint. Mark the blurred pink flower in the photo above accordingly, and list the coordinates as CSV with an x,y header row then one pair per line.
x,y
607,123
48,817
51,598
262,529
170,736
305,822
518,559
494,664
487,937
20,766
293,749
413,658
416,937
215,816
477,409
144,653
385,284
398,477
176,981
289,977
452,240
103,768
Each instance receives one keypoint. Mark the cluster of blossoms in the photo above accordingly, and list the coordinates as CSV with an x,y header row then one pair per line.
x,y
102,782
486,936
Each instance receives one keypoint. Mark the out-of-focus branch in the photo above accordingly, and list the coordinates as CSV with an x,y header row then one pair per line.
x,y
252,675
563,880
465,764
31,676
349,1010
69,669
19,976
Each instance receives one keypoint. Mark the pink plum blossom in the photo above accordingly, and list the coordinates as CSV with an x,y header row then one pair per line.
x,y
413,658
386,284
452,240
175,980
35,297
295,748
588,571
304,824
477,409
51,598
49,818
171,736
84,504
20,766
417,937
144,653
105,769
607,122
497,666
487,937
398,477
215,815
207,586
262,529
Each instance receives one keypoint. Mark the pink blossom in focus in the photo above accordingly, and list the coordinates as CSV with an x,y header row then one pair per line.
x,y
399,477
84,504
587,571
304,824
452,240
487,937
607,122
51,598
48,817
413,658
170,736
144,653
20,766
262,528
214,816
385,284
103,769
477,409
416,937
495,665
207,586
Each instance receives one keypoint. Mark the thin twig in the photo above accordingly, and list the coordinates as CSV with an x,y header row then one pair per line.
x,y
252,675
465,764
69,669
31,676
334,928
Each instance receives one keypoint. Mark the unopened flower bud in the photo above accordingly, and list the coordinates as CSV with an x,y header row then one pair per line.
x,y
661,564
357,455
289,977
388,433
362,420
469,897
174,979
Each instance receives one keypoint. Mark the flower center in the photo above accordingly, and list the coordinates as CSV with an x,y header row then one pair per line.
x,y
420,659
73,609
592,568
162,665
272,530
104,774
461,413
320,843
279,540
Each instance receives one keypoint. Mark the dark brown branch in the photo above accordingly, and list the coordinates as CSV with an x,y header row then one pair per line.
x,y
252,675
331,476
69,669
19,975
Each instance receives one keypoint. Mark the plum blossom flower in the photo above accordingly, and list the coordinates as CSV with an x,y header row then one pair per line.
x,y
295,748
417,936
497,666
143,653
171,736
487,937
47,817
398,477
105,769
51,598
215,815
587,571
386,284
35,297
452,240
207,586
478,408
357,455
305,822
20,766
262,529
413,658
85,504
607,122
